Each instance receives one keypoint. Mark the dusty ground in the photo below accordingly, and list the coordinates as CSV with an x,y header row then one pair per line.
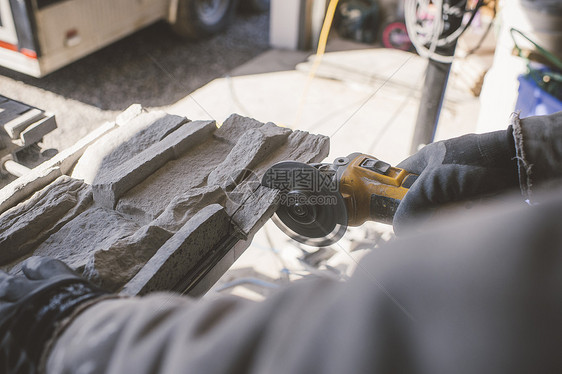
x,y
153,67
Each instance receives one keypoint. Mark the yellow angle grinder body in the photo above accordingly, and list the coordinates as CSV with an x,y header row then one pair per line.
x,y
317,202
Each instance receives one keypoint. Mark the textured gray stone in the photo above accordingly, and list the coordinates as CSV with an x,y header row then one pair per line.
x,y
94,230
234,127
184,207
300,146
110,185
196,133
257,206
26,185
220,268
25,226
122,144
169,199
249,206
253,147
111,268
182,252
174,179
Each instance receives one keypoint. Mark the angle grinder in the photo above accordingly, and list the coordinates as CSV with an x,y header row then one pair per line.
x,y
317,202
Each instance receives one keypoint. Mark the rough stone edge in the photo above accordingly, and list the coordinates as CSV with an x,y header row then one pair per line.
x,y
141,281
81,206
47,172
221,267
248,227
139,240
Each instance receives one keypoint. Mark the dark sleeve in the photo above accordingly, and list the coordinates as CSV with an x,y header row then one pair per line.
x,y
538,143
475,294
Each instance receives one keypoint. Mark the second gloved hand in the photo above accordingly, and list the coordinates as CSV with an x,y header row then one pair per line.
x,y
32,304
466,168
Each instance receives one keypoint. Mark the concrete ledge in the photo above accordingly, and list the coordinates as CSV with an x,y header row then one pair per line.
x,y
67,158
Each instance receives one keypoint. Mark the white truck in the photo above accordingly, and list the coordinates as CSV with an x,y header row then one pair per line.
x,y
40,36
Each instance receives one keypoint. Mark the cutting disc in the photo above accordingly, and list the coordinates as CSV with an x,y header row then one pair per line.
x,y
310,209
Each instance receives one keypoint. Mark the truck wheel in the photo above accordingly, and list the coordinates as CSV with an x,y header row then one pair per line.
x,y
257,6
202,18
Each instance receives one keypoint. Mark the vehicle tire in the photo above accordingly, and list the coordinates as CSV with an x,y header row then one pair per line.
x,y
255,6
197,19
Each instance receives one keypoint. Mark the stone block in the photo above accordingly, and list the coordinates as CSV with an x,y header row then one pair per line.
x,y
254,146
221,267
128,140
26,185
175,178
113,267
182,252
196,132
110,185
184,207
303,147
174,203
25,226
94,230
235,126
251,208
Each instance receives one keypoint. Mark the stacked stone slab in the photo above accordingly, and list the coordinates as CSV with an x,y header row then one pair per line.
x,y
153,202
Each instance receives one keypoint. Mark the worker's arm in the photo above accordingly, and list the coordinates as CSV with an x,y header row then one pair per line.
x,y
478,294
32,305
538,142
471,167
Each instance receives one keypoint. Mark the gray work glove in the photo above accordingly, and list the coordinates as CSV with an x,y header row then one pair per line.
x,y
467,168
30,307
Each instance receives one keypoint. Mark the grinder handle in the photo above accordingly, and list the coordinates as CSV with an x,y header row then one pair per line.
x,y
372,189
386,198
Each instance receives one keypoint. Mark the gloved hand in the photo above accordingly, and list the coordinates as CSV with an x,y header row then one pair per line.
x,y
30,307
466,168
